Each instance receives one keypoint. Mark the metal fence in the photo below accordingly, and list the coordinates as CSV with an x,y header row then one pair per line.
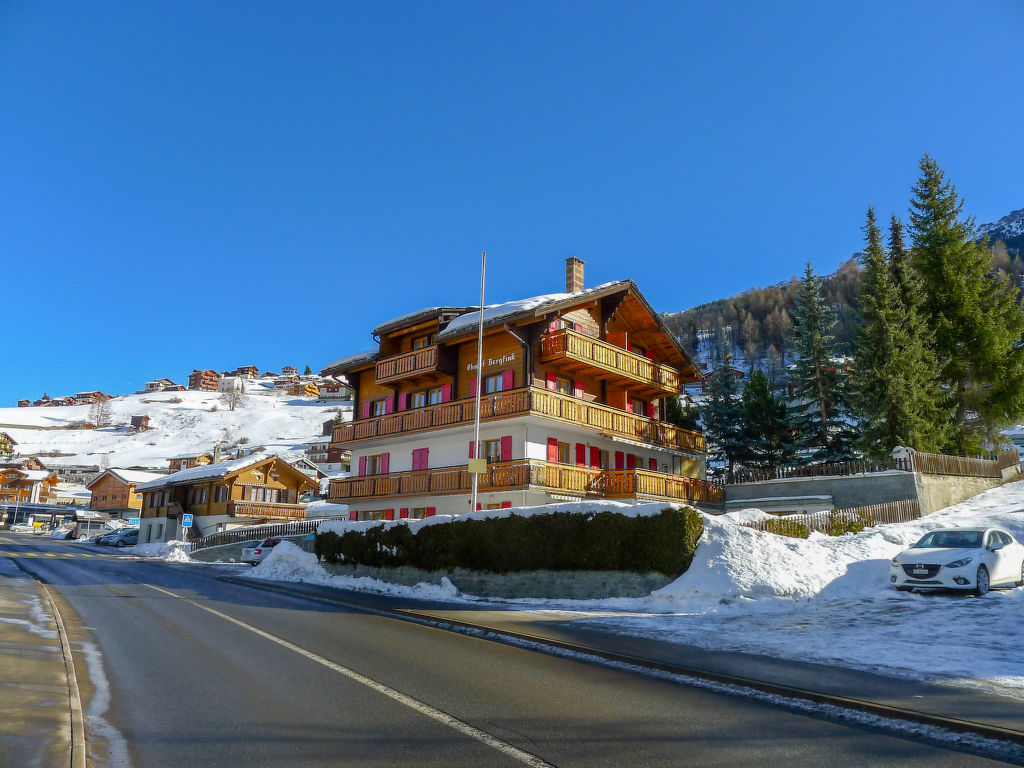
x,y
838,519
258,532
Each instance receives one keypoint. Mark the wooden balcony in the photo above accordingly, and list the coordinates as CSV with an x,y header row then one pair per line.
x,y
524,474
527,401
578,352
409,366
267,509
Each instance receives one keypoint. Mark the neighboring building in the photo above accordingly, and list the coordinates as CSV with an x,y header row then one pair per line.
x,y
43,402
333,389
289,370
71,400
248,371
206,380
24,403
317,450
32,486
229,383
304,389
7,444
139,423
179,463
114,491
309,469
88,398
221,496
571,408
331,459
22,462
159,385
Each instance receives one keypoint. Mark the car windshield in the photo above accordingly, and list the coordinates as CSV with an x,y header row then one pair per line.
x,y
951,540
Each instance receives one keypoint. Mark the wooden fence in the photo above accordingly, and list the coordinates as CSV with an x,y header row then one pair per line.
x,y
926,463
257,532
837,519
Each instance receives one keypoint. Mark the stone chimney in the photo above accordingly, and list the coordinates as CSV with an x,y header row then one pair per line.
x,y
573,275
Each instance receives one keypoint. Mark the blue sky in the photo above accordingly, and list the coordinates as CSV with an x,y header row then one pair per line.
x,y
197,184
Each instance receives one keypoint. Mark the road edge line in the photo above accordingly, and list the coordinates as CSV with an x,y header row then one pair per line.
x,y
74,693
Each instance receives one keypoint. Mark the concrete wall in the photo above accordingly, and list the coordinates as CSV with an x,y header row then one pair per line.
x,y
852,491
935,492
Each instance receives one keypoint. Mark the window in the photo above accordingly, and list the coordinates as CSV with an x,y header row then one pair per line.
x,y
377,408
563,453
493,384
493,506
422,341
220,494
563,386
605,460
492,450
639,406
418,399
434,396
375,464
418,513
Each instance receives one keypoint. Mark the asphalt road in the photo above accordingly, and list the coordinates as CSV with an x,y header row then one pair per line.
x,y
180,667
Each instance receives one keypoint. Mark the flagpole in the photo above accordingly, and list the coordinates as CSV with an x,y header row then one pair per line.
x,y
479,380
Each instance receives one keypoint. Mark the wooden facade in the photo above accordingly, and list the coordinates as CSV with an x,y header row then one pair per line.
x,y
114,490
31,486
7,444
178,463
207,380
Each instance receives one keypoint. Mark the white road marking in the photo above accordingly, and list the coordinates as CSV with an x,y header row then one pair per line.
x,y
415,704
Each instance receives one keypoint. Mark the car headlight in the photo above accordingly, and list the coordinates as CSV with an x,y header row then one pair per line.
x,y
894,563
959,563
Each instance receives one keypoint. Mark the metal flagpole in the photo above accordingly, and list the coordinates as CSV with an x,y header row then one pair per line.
x,y
474,464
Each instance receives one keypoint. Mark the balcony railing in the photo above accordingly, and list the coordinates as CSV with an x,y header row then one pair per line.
x,y
266,509
419,362
529,401
596,354
531,473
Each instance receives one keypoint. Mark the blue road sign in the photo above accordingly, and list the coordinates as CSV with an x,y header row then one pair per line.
x,y
186,520
133,521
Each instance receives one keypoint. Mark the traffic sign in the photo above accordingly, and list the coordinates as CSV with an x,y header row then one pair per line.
x,y
133,521
186,520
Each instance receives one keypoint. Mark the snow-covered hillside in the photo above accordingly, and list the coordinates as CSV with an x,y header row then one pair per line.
x,y
180,423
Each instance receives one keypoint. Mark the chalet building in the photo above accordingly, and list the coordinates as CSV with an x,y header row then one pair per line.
x,y
222,496
160,385
310,469
318,450
69,400
248,371
179,463
304,389
332,389
206,380
30,486
7,444
139,423
573,386
22,462
114,492
88,398
24,403
289,370
43,402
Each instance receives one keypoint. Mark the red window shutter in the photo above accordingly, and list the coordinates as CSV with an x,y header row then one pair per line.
x,y
403,513
388,407
507,380
629,404
472,387
446,393
650,410
389,514
366,410
595,457
650,355
620,459
506,448
472,451
384,460
581,455
402,399
578,327
431,511
552,381
629,347
415,458
578,389
506,505
353,515
552,326
362,466
479,506
553,450
652,464
630,461
424,458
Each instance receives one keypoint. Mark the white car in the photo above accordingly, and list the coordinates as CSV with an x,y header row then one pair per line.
x,y
255,553
970,559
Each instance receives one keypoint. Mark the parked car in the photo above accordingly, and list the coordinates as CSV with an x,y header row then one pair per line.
x,y
126,537
23,528
106,539
967,559
255,553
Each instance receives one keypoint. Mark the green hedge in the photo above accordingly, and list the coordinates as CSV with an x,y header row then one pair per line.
x,y
560,541
784,527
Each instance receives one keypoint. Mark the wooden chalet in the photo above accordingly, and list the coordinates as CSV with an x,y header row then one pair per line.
x,y
572,407
7,444
88,398
159,385
204,380
304,389
179,463
221,496
31,486
24,403
114,491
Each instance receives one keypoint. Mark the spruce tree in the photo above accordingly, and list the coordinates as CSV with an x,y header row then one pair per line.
x,y
769,436
818,380
976,317
722,416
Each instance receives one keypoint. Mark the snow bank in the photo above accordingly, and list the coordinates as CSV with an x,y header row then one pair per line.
x,y
169,551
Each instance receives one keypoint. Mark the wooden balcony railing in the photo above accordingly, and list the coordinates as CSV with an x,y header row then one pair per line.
x,y
565,344
419,362
531,473
529,401
266,509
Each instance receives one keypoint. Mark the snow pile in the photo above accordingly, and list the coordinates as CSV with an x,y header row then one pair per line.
x,y
169,551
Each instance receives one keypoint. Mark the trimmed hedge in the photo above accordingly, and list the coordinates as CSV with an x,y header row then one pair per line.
x,y
560,541
783,527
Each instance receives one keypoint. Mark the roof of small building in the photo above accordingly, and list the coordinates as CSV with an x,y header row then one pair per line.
x,y
343,363
207,471
415,318
129,476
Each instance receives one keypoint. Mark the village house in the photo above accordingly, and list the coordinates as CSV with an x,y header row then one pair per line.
x,y
572,407
332,389
289,370
204,380
31,486
7,444
139,424
24,403
229,494
304,389
114,491
159,385
179,463
88,398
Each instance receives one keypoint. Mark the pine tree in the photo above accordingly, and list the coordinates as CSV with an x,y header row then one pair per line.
x,y
818,381
722,416
976,318
769,436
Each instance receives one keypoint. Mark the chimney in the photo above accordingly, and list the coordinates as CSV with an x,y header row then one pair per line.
x,y
573,275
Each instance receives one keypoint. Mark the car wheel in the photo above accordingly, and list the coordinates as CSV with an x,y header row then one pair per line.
x,y
119,543
982,583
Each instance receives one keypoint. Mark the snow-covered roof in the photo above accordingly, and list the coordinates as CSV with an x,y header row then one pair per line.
x,y
414,318
36,475
495,312
367,355
220,469
190,455
134,475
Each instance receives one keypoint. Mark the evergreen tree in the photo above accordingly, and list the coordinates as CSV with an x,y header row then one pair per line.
x,y
894,387
818,381
308,371
976,318
722,416
681,416
769,436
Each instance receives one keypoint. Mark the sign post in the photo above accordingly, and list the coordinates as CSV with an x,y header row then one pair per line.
x,y
186,523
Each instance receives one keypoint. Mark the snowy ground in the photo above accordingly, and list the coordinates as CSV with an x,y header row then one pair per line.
x,y
822,599
281,423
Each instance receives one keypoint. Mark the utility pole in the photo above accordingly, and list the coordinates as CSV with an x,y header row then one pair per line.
x,y
474,463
